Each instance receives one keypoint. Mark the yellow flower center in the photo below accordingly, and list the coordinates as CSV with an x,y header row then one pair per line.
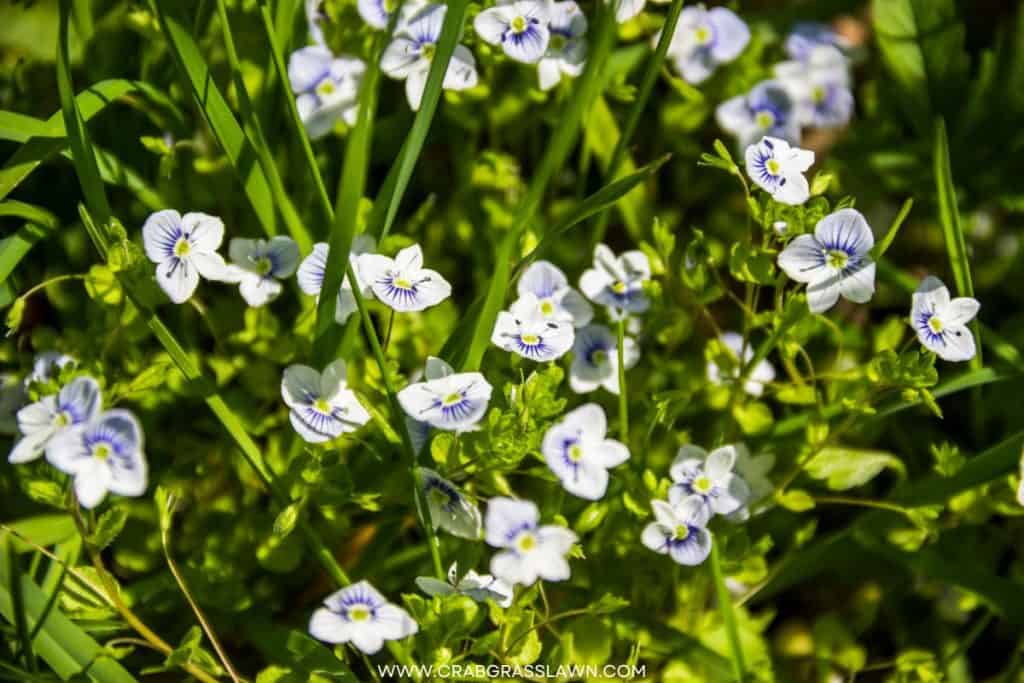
x,y
402,283
530,339
322,406
702,34
557,42
772,166
765,119
935,324
526,542
182,247
599,356
818,94
702,484
837,259
325,88
62,420
264,265
575,453
427,51
452,399
101,451
619,287
518,24
547,308
682,531
359,614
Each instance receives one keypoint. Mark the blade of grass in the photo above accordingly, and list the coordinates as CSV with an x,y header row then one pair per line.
x,y
258,140
18,607
725,607
222,122
952,229
650,77
894,229
561,142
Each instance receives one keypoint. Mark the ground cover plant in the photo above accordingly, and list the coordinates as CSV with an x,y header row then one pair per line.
x,y
381,340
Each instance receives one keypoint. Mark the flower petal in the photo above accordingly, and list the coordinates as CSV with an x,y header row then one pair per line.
x,y
160,233
505,516
178,278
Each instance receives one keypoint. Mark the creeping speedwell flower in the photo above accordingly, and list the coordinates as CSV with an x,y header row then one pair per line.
x,y
520,28
47,366
409,55
762,373
820,87
767,110
679,531
709,476
314,267
567,49
778,169
257,265
525,330
530,551
359,615
595,359
578,453
479,587
77,402
617,282
322,406
454,402
184,248
705,39
556,300
941,322
103,455
808,35
326,88
833,261
402,282
449,509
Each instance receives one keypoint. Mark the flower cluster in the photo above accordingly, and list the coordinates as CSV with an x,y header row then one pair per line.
x,y
101,450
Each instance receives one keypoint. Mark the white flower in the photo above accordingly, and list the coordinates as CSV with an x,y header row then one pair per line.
x,y
77,402
326,88
257,265
820,87
762,374
103,455
617,281
833,261
479,587
530,551
941,322
411,52
377,13
313,268
595,359
808,35
313,18
578,453
520,28
184,248
567,49
767,110
525,330
709,476
556,300
779,169
359,615
449,509
680,530
322,406
419,432
454,402
402,282
705,39
47,366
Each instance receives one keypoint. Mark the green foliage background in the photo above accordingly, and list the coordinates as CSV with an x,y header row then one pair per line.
x,y
890,548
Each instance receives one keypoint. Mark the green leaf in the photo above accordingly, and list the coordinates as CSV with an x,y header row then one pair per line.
x,y
846,468
795,500
108,527
754,417
65,647
41,530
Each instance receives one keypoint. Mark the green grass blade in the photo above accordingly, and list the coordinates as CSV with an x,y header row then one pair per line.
x,y
725,607
563,138
454,18
222,122
14,586
258,140
952,228
65,647
894,229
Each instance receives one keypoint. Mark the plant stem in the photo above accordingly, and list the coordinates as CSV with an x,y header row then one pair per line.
x,y
728,616
623,399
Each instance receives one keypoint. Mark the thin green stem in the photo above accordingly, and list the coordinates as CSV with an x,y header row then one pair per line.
x,y
623,398
725,606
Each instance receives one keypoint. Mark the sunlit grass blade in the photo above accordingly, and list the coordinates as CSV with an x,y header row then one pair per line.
x,y
14,586
65,647
13,248
454,18
894,229
292,221
218,115
562,140
725,608
952,228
